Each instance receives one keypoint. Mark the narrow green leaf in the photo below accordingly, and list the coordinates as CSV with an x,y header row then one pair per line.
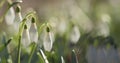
x,y
40,58
32,51
3,46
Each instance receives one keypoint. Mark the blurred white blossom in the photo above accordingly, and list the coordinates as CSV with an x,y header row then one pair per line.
x,y
33,33
10,16
103,29
75,34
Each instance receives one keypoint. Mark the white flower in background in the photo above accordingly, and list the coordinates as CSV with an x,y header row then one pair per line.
x,y
103,29
25,37
62,26
47,41
10,16
33,31
75,34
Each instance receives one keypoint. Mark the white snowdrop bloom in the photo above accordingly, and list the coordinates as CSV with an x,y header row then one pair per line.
x,y
25,37
10,16
18,19
47,41
33,32
75,34
91,54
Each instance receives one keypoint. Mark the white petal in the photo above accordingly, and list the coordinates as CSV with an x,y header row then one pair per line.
x,y
48,42
10,16
75,34
25,38
33,33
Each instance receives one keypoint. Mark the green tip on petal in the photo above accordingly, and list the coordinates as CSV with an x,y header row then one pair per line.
x,y
25,26
48,29
33,20
18,9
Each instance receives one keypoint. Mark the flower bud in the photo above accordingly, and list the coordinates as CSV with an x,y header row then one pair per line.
x,y
25,37
75,34
33,31
48,42
10,16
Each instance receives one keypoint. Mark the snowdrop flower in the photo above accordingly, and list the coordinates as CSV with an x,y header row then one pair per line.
x,y
18,19
10,16
25,37
48,42
75,34
33,31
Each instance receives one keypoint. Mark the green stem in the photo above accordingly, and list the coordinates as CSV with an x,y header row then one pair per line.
x,y
32,52
19,50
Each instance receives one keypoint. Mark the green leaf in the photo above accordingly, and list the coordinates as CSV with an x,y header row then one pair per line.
x,y
32,51
3,46
40,58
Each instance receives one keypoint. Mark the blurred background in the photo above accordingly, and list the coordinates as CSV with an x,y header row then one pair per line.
x,y
89,27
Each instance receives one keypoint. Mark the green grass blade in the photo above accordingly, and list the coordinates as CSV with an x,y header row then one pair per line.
x,y
32,51
3,46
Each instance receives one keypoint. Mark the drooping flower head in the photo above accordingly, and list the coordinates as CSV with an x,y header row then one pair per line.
x,y
33,31
25,37
48,40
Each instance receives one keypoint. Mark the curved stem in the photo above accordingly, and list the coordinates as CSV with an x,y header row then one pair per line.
x,y
19,50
